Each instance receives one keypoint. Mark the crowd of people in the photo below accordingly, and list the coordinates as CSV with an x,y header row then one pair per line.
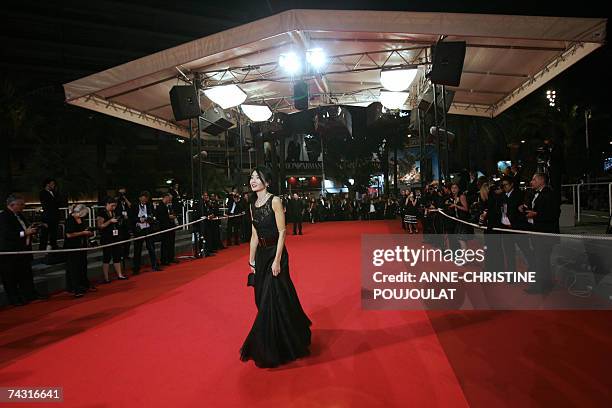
x,y
499,204
449,213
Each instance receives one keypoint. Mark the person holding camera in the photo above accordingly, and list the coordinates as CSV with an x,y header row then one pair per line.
x,y
235,207
123,209
50,215
167,220
143,220
110,224
77,236
16,270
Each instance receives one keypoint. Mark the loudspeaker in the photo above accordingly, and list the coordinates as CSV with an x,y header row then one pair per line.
x,y
300,95
184,100
215,120
447,63
425,100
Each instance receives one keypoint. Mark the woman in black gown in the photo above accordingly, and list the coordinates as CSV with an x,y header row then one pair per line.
x,y
281,331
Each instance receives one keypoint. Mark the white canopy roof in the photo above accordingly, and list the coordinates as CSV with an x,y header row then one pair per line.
x,y
507,58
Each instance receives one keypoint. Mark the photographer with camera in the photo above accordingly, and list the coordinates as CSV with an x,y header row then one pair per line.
x,y
456,205
50,202
77,236
16,270
167,219
234,223
123,209
143,221
110,226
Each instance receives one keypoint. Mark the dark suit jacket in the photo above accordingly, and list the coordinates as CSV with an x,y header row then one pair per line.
x,y
162,213
10,231
517,218
548,214
50,204
295,209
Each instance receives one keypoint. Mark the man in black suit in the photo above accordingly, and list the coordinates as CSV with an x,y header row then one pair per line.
x,y
296,213
542,215
50,214
142,219
235,207
511,218
16,270
124,206
164,214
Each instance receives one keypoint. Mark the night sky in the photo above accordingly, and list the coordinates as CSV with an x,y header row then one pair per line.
x,y
49,43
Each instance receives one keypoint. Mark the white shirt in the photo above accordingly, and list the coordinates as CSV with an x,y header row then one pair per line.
x,y
142,213
535,196
505,220
23,226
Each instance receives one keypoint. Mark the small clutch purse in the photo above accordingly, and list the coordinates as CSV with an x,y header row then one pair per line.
x,y
251,279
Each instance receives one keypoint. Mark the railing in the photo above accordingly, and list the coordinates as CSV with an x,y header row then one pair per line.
x,y
578,201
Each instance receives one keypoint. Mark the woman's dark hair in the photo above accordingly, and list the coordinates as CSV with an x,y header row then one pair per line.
x,y
265,175
110,200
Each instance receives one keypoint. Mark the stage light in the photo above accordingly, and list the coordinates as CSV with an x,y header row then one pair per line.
x,y
409,136
257,113
393,100
290,62
226,96
181,141
328,184
168,181
351,181
397,79
316,58
522,141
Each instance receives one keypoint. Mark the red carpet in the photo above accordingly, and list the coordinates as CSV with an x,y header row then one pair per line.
x,y
172,339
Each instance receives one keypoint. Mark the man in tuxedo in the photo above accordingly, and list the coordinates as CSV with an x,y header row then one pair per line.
x,y
16,270
216,211
207,226
142,219
177,201
123,209
296,213
542,216
50,214
164,214
235,207
511,218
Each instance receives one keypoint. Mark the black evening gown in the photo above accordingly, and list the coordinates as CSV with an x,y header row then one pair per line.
x,y
281,331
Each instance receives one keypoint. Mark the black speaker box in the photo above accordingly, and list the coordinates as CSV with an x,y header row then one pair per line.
x,y
300,95
447,63
215,120
425,100
184,100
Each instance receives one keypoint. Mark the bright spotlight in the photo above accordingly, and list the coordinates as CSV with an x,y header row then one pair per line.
x,y
290,62
316,58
